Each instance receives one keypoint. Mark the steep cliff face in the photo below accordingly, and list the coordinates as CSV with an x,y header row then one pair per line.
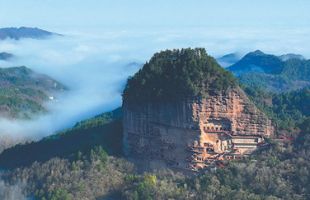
x,y
232,111
194,132
174,133
160,132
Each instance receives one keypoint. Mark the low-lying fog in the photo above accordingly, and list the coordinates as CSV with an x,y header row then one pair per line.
x,y
95,66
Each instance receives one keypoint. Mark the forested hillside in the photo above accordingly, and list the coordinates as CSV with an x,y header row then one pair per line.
x,y
276,74
23,92
286,110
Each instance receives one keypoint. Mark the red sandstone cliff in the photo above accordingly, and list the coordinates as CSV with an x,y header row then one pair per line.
x,y
183,110
189,134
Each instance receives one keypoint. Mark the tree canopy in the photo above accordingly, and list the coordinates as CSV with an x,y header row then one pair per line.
x,y
175,74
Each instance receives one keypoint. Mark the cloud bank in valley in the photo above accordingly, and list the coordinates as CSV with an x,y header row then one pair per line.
x,y
95,66
94,75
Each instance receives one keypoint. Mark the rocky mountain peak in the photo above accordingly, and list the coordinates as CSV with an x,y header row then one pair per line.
x,y
195,131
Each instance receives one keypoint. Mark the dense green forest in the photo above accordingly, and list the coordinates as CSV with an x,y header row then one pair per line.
x,y
177,74
18,103
286,110
297,69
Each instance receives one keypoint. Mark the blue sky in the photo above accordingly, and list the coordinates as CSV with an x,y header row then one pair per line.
x,y
82,14
221,26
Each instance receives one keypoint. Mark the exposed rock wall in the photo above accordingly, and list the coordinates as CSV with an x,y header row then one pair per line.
x,y
189,134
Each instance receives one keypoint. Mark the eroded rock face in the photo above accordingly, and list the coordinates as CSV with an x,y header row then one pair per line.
x,y
195,133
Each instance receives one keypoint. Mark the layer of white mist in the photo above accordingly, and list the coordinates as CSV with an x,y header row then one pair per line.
x,y
90,68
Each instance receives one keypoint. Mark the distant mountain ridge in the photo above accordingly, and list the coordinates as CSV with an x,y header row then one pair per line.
x,y
5,56
228,59
276,73
25,32
257,61
289,56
